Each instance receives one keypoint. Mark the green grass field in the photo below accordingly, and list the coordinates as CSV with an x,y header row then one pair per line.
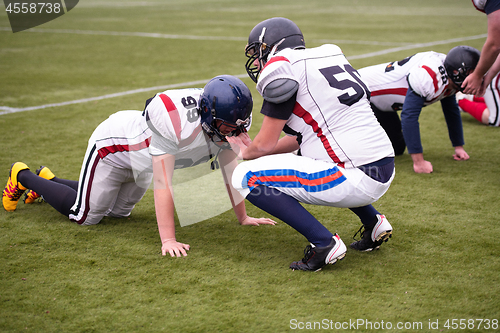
x,y
442,263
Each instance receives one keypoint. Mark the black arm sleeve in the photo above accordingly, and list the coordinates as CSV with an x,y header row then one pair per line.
x,y
280,111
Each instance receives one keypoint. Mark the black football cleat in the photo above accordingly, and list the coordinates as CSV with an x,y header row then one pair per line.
x,y
316,258
373,237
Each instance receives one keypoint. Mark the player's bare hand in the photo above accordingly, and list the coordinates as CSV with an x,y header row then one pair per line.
x,y
245,138
460,154
422,167
257,221
239,143
482,90
174,248
472,85
419,164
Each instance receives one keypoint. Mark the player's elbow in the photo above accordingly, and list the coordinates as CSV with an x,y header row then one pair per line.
x,y
258,150
265,148
159,185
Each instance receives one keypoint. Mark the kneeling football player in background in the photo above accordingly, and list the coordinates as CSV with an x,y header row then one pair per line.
x,y
413,83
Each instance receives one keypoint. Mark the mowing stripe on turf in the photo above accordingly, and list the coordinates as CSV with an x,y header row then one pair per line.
x,y
7,109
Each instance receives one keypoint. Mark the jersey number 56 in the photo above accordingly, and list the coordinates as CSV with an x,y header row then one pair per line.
x,y
350,81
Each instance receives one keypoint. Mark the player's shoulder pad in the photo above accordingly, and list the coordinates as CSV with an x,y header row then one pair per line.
x,y
280,90
416,91
423,80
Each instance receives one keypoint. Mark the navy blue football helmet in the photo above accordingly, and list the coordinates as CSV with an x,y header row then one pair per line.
x,y
460,62
226,103
269,36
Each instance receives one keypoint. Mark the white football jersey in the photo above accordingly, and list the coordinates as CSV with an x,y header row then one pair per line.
x,y
123,139
173,115
389,82
492,100
332,112
479,4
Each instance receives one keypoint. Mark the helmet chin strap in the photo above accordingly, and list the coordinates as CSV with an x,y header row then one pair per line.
x,y
275,47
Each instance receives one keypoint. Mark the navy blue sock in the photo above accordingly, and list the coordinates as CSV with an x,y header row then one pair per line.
x,y
59,196
71,183
367,214
292,213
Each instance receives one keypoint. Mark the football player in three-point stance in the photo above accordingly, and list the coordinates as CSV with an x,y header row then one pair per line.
x,y
412,83
189,127
117,168
345,158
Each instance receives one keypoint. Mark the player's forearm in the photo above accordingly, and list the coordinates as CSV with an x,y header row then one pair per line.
x,y
409,121
286,144
491,47
240,211
266,140
164,207
489,54
255,151
164,202
453,121
411,134
228,163
494,70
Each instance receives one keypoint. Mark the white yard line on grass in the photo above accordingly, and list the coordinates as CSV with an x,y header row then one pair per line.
x,y
418,45
191,37
7,109
129,34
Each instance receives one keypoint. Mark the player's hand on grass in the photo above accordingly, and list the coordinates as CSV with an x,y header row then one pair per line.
x,y
256,221
173,247
422,167
419,164
460,154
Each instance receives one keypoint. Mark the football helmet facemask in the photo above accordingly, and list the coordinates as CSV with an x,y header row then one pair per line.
x,y
225,108
460,62
268,37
